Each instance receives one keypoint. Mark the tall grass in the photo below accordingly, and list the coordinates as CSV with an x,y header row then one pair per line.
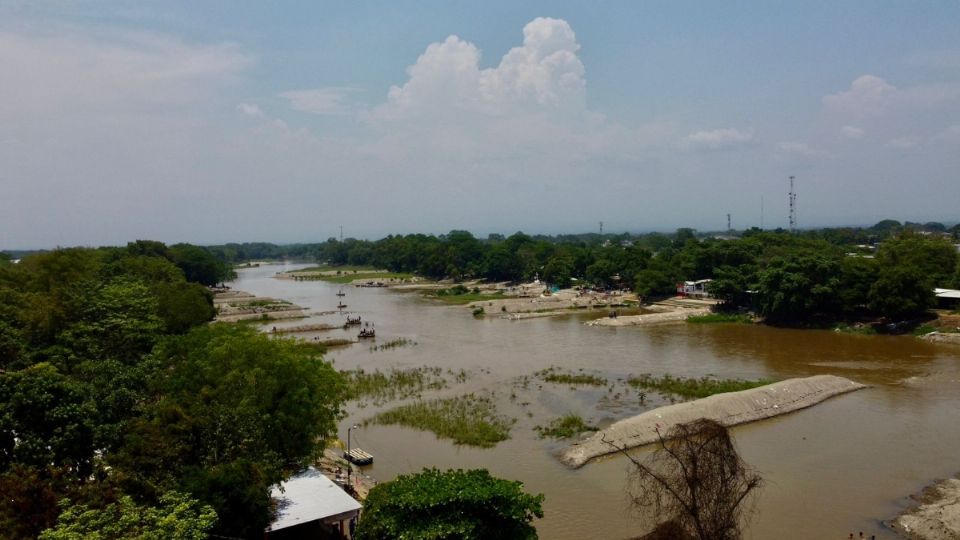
x,y
469,419
381,387
694,388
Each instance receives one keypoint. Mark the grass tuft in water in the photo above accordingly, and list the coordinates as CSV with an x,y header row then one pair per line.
x,y
553,375
563,427
694,388
469,419
395,384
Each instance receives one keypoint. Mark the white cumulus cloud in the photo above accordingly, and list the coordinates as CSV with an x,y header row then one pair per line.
x,y
250,110
543,73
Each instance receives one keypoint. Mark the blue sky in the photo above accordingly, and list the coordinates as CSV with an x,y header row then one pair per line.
x,y
279,121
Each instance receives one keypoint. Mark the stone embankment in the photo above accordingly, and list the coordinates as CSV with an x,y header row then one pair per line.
x,y
935,517
729,409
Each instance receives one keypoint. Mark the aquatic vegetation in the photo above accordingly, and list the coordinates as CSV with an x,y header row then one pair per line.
x,y
469,419
712,318
396,384
693,388
552,375
563,427
393,344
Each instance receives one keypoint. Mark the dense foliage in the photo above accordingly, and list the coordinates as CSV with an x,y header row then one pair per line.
x,y
115,393
454,505
789,278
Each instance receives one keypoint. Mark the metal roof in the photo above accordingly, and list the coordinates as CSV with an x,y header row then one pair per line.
x,y
947,293
310,496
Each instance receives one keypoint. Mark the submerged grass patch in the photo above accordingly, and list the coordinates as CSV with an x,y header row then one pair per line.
x,y
469,419
381,387
694,388
362,276
552,375
563,427
711,318
393,344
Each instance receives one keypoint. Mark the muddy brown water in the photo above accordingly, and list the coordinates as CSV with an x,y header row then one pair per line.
x,y
840,467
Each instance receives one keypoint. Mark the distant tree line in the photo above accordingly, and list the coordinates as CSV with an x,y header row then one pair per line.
x,y
790,278
123,414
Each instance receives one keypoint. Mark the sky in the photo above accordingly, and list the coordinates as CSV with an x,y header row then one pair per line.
x,y
232,121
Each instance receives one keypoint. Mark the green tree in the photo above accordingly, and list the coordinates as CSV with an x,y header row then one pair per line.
x,y
799,286
558,271
460,505
901,293
45,420
653,282
176,517
199,265
235,410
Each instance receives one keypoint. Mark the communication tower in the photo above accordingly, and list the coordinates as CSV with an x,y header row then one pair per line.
x,y
793,207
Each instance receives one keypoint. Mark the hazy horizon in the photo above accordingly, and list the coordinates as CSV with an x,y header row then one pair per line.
x,y
213,123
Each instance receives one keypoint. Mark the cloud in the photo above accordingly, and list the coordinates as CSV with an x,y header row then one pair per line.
x,y
852,132
543,74
797,148
718,139
905,142
250,110
868,95
327,101
72,72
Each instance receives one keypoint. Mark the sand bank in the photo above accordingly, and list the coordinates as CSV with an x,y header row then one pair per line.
x,y
941,337
729,409
936,517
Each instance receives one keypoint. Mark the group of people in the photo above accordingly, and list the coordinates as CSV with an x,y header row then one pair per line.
x,y
861,537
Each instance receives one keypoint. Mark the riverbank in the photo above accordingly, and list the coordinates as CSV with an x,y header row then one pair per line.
x,y
532,300
235,306
730,409
667,311
935,517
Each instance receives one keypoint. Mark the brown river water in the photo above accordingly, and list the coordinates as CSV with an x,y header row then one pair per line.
x,y
842,466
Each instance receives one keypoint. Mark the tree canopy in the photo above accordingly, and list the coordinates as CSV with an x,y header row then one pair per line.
x,y
451,505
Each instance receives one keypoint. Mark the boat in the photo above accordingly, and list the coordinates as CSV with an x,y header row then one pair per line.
x,y
367,333
341,293
341,305
352,322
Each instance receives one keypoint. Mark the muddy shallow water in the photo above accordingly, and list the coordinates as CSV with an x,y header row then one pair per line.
x,y
839,467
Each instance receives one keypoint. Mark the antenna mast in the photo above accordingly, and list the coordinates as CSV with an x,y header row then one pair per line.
x,y
601,228
793,207
341,234
729,228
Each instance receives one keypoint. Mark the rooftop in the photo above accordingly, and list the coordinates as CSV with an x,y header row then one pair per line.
x,y
310,496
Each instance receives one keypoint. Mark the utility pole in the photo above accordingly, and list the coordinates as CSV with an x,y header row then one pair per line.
x,y
793,207
341,234
601,228
729,228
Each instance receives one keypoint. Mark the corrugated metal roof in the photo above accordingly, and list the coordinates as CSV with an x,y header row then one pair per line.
x,y
310,496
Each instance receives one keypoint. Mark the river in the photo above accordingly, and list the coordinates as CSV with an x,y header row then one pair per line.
x,y
842,466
